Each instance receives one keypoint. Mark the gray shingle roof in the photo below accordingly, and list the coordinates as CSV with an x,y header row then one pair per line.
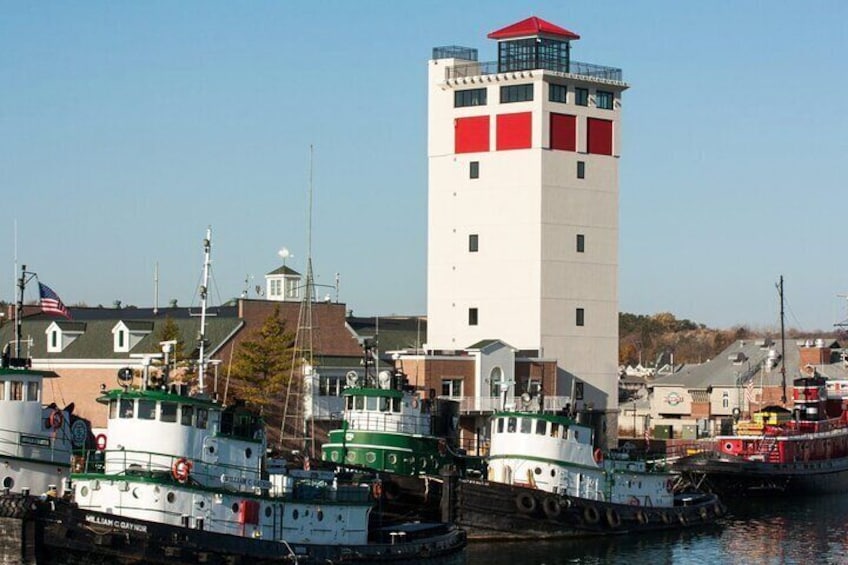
x,y
743,360
96,342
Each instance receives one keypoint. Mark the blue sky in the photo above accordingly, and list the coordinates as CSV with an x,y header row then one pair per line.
x,y
127,128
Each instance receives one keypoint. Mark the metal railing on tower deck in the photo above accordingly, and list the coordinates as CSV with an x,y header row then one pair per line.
x,y
590,70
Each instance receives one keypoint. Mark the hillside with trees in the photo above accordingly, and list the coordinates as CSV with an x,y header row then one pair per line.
x,y
657,338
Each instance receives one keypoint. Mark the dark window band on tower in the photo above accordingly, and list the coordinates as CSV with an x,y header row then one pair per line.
x,y
473,97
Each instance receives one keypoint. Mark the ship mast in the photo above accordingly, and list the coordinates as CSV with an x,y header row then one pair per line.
x,y
302,353
207,250
782,342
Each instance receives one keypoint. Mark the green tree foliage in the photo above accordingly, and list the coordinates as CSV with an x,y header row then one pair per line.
x,y
170,331
262,363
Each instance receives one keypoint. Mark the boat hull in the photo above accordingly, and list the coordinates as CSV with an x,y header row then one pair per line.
x,y
493,511
728,475
54,531
490,511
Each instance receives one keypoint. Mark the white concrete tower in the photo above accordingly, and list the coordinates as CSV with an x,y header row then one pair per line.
x,y
523,205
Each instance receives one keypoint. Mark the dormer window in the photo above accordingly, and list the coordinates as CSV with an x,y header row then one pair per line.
x,y
127,334
62,334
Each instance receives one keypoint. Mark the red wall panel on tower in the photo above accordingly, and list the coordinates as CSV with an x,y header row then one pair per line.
x,y
471,134
514,131
563,132
599,136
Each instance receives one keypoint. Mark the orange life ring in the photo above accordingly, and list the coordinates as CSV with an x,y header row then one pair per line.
x,y
100,442
598,455
56,419
181,469
377,490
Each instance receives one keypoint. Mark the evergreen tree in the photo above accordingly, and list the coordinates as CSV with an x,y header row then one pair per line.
x,y
262,363
170,331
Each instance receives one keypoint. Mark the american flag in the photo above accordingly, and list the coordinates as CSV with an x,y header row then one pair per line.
x,y
749,391
50,301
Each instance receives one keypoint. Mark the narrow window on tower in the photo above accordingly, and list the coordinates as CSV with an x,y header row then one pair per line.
x,y
581,243
472,242
581,169
580,317
581,96
474,170
472,316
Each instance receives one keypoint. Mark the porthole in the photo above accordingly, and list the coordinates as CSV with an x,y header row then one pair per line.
x,y
201,504
135,493
171,497
370,457
235,507
538,470
295,514
423,462
248,453
553,472
8,482
84,491
320,515
211,449
334,456
268,511
351,456
392,458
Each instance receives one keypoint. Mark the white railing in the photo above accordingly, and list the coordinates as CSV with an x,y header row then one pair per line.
x,y
489,404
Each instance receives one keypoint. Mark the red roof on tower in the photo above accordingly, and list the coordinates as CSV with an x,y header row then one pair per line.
x,y
532,26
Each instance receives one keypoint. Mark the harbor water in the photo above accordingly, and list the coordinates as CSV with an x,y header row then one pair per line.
x,y
771,530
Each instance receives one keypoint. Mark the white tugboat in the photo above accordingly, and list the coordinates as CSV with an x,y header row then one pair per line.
x,y
546,480
35,440
180,478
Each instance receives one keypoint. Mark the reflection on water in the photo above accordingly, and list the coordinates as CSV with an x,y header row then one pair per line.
x,y
809,530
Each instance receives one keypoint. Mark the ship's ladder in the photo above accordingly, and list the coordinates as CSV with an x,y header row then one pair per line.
x,y
769,450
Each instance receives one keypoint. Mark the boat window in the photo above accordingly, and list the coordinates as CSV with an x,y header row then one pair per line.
x,y
396,405
2,390
526,425
510,425
169,412
348,403
371,403
554,429
186,413
202,416
576,435
384,404
113,409
359,402
32,392
500,425
17,391
127,406
147,409
541,427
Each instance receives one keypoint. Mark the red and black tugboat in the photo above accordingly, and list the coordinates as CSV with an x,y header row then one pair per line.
x,y
804,450
797,451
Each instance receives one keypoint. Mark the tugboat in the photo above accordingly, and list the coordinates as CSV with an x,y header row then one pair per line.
x,y
35,440
546,480
780,451
801,451
388,428
179,478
